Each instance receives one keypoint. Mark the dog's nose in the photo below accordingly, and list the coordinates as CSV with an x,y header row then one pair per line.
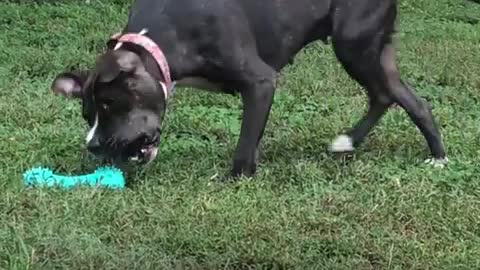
x,y
149,136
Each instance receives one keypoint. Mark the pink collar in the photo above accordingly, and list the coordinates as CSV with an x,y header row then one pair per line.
x,y
145,42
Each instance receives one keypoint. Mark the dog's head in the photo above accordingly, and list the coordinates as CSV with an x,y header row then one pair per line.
x,y
123,104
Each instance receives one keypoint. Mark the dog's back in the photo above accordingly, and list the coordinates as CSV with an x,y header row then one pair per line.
x,y
279,28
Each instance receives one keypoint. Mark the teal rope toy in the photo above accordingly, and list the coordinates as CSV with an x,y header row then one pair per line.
x,y
109,177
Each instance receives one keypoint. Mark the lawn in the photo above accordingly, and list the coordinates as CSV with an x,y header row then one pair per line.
x,y
381,208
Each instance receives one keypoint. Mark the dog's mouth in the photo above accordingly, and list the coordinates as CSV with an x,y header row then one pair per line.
x,y
143,150
145,155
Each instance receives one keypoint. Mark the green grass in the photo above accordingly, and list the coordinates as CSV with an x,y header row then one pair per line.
x,y
381,208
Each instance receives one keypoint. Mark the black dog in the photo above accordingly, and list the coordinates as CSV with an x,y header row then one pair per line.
x,y
238,46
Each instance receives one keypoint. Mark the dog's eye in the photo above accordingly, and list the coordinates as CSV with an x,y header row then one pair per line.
x,y
106,103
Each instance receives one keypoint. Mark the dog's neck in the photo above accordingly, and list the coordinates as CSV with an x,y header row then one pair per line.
x,y
150,53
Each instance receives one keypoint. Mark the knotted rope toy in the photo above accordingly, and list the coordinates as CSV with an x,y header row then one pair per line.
x,y
109,177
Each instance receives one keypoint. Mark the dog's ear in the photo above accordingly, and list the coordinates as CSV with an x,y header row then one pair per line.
x,y
118,63
70,84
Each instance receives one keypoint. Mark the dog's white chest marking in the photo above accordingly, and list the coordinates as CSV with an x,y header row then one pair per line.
x,y
93,130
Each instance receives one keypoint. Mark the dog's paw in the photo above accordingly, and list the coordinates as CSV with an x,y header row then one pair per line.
x,y
341,144
235,175
437,162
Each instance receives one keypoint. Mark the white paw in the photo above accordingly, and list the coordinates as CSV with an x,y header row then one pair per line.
x,y
342,143
437,162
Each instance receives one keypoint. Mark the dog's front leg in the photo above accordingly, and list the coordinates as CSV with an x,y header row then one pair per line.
x,y
257,96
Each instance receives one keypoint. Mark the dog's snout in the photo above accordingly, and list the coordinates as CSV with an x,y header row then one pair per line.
x,y
148,136
142,138
149,120
134,137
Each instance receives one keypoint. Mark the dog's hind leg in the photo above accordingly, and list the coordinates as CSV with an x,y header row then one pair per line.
x,y
418,109
368,57
362,64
